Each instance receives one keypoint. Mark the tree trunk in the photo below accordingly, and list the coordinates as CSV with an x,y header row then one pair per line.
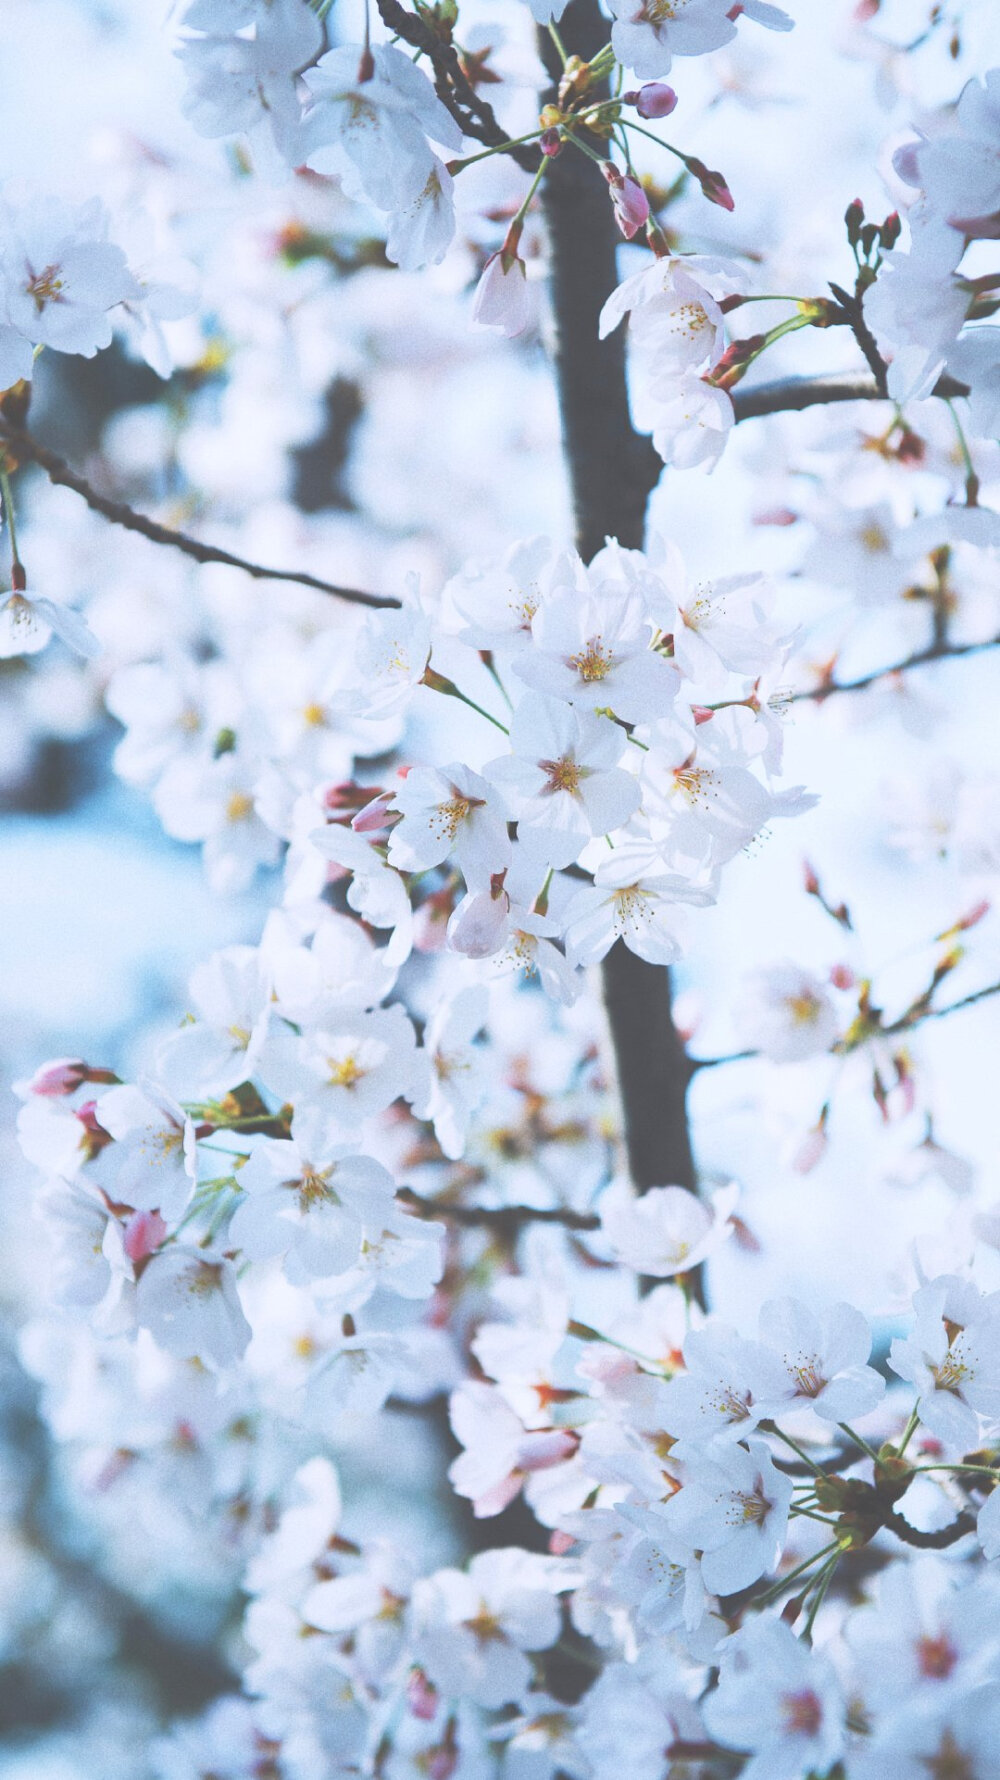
x,y
612,471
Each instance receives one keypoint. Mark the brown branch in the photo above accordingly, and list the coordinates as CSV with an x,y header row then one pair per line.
x,y
793,394
906,1023
473,115
28,449
504,1219
937,651
936,1541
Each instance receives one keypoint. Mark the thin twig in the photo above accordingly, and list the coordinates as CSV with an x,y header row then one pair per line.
x,y
27,448
792,394
474,116
502,1218
921,658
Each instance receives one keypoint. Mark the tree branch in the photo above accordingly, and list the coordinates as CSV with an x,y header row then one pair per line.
x,y
938,651
792,394
29,449
506,1220
612,472
473,115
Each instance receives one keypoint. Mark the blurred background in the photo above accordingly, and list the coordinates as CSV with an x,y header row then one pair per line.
x,y
332,413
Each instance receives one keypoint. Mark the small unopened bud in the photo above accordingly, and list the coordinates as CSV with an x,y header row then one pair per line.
x,y
843,977
144,1233
64,1076
891,230
655,99
421,1695
854,216
550,142
374,816
631,205
713,184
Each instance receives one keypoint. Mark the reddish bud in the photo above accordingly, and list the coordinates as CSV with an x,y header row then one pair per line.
x,y
891,230
655,99
375,815
550,142
421,1696
631,205
843,977
144,1232
64,1076
713,184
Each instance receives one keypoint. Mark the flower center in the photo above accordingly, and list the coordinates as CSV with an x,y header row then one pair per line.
x,y
594,662
345,1072
448,817
936,1657
45,287
802,1713
562,775
239,807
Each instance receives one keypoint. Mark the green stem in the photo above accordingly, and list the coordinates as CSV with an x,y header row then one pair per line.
x,y
770,1427
851,1435
501,149
17,565
908,1432
560,46
777,1588
823,1584
971,479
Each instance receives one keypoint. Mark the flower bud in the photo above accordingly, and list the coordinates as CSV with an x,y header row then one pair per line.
x,y
655,99
550,142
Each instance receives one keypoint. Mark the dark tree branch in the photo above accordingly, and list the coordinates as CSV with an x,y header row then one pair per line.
x,y
937,651
792,394
506,1220
473,115
612,471
27,449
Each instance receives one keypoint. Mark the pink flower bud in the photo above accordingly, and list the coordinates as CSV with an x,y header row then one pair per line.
x,y
561,1543
63,1076
631,206
144,1233
374,816
843,977
655,100
421,1696
550,142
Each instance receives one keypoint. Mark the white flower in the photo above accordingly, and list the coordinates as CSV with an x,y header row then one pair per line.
x,y
952,1358
451,812
594,651
501,299
459,1068
647,36
562,777
692,420
373,131
666,1230
786,1013
471,1628
779,1699
308,1204
238,81
421,231
724,1389
60,276
213,801
824,1359
154,1158
206,1057
734,1507
348,1071
500,1453
29,620
634,899
187,1299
